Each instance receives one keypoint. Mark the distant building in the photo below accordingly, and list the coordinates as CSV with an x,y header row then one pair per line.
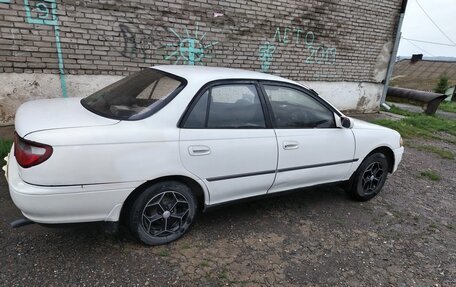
x,y
422,74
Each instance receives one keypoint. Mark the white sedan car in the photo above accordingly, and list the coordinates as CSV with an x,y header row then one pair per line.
x,y
158,146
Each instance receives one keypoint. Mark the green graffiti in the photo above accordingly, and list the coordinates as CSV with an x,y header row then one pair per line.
x,y
5,1
321,55
285,35
189,49
318,53
44,13
309,39
42,10
288,35
60,58
266,54
277,35
298,34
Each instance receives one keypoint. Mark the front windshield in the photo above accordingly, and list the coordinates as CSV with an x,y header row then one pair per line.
x,y
135,96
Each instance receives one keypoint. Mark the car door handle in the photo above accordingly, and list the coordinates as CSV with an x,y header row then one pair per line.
x,y
290,145
199,150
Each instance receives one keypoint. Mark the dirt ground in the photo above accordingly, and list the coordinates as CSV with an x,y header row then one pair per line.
x,y
404,237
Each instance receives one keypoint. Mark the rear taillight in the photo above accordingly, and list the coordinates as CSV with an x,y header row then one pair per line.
x,y
30,153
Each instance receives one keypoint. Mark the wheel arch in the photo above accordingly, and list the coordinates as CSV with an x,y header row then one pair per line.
x,y
388,152
196,188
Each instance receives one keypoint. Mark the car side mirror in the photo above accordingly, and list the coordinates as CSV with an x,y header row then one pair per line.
x,y
346,123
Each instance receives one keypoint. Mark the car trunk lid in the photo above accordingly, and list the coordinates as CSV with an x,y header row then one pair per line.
x,y
57,113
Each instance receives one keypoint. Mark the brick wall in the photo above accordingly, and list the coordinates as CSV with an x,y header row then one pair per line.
x,y
315,40
308,40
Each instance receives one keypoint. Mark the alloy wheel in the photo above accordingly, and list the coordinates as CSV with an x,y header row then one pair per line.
x,y
165,214
372,178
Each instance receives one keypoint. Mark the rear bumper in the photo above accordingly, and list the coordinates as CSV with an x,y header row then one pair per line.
x,y
397,157
66,204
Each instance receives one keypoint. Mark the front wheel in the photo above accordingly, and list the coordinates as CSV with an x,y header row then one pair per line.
x,y
369,178
162,213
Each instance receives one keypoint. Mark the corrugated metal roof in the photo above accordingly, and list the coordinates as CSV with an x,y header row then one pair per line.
x,y
422,75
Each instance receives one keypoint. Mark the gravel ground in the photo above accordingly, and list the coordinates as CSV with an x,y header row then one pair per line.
x,y
404,237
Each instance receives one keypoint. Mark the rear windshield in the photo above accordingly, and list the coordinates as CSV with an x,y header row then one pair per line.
x,y
136,96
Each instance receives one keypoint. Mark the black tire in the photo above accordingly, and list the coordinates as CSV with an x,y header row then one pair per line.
x,y
369,178
162,213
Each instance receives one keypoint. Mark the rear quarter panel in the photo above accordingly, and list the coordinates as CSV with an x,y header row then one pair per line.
x,y
120,153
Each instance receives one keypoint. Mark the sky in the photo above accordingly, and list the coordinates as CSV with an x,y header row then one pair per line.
x,y
418,26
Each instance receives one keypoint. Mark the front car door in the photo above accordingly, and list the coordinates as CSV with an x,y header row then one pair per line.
x,y
312,150
226,140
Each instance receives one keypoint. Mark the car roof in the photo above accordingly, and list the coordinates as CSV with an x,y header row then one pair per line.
x,y
217,73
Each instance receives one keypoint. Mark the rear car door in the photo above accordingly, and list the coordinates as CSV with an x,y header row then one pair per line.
x,y
226,140
312,150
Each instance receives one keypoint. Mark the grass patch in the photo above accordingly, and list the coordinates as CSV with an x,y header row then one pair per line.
x,y
339,222
163,253
205,263
432,175
448,106
399,111
438,151
432,227
186,246
223,274
432,123
5,147
404,128
421,125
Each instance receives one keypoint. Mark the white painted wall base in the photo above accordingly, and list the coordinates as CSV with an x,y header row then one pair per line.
x,y
361,97
16,89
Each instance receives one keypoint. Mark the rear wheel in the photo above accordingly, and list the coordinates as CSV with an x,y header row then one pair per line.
x,y
162,213
369,178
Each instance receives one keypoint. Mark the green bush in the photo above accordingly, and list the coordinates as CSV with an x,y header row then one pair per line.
x,y
442,84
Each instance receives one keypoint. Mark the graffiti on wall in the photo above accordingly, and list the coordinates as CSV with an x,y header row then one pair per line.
x,y
130,49
266,55
322,55
43,12
135,45
189,48
318,53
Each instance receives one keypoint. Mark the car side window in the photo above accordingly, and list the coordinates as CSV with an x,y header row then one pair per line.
x,y
197,117
295,109
227,106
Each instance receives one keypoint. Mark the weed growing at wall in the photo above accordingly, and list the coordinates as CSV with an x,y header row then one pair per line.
x,y
5,147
